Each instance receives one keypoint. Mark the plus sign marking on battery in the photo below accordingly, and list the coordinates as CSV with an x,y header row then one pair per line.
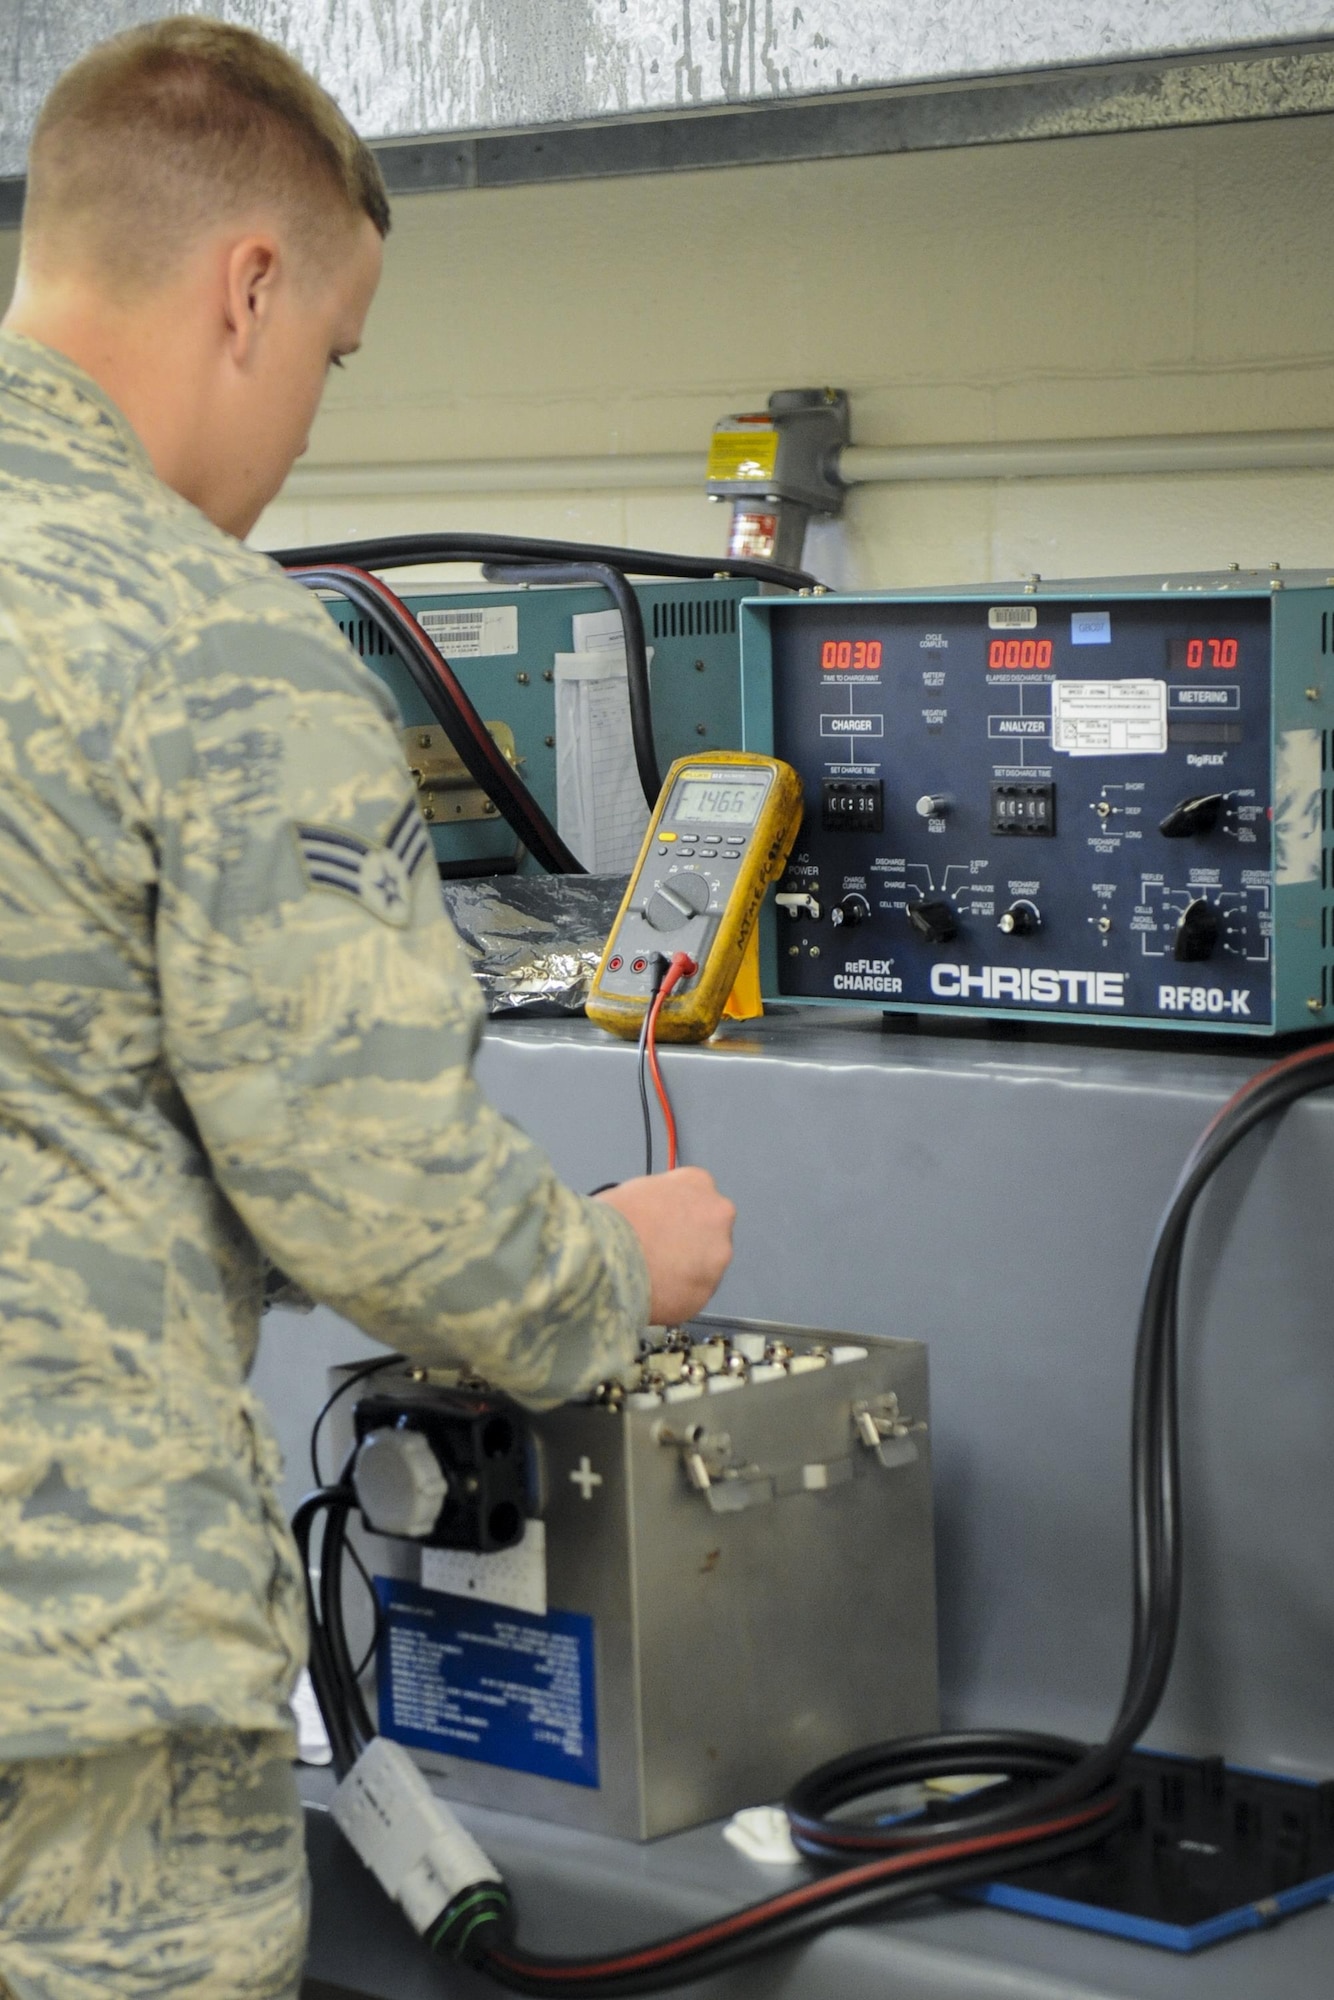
x,y
585,1478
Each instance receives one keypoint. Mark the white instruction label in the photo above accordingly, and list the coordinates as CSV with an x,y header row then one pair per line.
x,y
473,632
1109,718
514,1577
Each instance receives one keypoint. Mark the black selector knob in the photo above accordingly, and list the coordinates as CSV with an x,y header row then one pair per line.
x,y
1020,920
851,911
1198,931
936,921
1192,817
675,900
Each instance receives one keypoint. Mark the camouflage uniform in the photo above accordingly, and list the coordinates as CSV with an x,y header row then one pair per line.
x,y
233,1020
174,1867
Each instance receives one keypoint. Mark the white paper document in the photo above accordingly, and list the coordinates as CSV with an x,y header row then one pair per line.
x,y
1109,718
600,809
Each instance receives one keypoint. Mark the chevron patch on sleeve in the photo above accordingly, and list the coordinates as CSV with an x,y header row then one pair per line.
x,y
380,877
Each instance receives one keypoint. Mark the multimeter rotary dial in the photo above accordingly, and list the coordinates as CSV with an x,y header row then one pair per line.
x,y
675,900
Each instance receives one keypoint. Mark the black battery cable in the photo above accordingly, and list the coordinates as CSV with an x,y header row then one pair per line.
x,y
448,701
1055,1796
412,551
524,560
622,594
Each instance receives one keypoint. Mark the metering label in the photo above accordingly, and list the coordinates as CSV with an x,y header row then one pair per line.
x,y
1109,718
493,1685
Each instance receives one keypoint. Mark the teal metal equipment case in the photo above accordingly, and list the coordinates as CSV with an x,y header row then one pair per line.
x,y
502,642
1101,800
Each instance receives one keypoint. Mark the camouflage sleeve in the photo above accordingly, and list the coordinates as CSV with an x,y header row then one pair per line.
x,y
320,1018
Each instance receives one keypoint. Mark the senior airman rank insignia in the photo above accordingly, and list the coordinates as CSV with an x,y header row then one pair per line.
x,y
380,878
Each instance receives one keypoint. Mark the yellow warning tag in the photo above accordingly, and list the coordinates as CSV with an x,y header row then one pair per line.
x,y
746,454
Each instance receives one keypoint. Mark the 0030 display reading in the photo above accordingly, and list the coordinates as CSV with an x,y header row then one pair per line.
x,y
721,805
840,656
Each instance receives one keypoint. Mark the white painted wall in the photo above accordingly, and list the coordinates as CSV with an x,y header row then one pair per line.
x,y
1166,282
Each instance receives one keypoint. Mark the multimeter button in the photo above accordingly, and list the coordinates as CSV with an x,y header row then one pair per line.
x,y
666,836
708,854
731,854
664,850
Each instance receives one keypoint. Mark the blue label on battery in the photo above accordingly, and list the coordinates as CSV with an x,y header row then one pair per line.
x,y
487,1683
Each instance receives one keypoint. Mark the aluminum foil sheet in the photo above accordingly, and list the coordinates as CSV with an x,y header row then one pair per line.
x,y
535,940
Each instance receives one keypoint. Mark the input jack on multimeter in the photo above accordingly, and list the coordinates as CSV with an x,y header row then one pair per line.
x,y
721,832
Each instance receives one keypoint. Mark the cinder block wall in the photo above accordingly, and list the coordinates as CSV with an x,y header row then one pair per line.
x,y
1177,282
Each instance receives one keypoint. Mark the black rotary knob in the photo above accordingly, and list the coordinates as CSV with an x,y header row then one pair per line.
x,y
1198,931
1191,817
675,900
851,911
934,920
1021,919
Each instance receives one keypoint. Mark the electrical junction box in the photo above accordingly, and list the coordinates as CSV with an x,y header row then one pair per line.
x,y
502,642
1101,800
726,1579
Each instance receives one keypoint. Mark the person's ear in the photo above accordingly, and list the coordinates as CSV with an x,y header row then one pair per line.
x,y
250,279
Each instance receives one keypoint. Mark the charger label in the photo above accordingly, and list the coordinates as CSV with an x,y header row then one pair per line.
x,y
496,1686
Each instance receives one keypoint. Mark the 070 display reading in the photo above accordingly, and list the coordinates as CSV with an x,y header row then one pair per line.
x,y
698,802
1197,653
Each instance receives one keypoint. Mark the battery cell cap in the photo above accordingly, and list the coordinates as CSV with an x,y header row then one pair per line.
x,y
400,1484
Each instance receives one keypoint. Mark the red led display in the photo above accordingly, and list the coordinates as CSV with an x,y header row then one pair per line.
x,y
1196,653
1034,654
840,656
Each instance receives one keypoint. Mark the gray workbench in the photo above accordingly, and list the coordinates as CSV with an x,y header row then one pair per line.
x,y
997,1200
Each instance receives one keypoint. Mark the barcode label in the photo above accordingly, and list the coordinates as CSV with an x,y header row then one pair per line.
x,y
1012,617
474,632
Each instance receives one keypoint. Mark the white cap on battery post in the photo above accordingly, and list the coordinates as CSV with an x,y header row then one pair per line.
x,y
399,1483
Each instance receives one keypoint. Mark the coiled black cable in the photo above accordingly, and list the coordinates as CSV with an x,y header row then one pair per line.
x,y
330,1692
1057,1796
448,701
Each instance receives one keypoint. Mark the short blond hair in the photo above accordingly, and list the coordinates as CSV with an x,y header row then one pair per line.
x,y
163,133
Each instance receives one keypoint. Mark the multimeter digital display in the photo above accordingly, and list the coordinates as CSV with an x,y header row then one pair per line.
x,y
720,833
700,801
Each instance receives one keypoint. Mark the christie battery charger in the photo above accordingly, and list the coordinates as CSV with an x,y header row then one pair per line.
x,y
1099,800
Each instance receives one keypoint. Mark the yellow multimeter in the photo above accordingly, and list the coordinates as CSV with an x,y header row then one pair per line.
x,y
721,832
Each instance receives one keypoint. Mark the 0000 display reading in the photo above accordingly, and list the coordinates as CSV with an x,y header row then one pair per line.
x,y
727,805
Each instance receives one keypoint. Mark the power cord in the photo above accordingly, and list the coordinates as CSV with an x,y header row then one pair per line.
x,y
622,594
1055,1795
